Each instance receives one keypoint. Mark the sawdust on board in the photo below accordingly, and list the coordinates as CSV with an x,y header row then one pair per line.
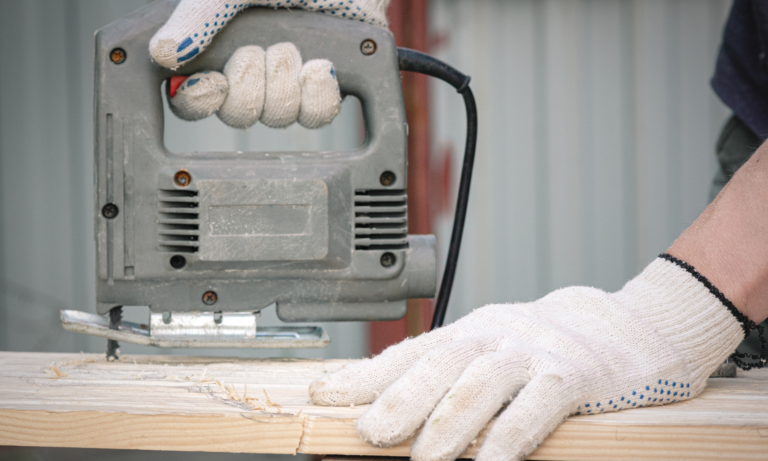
x,y
252,403
229,390
226,393
83,359
56,369
209,385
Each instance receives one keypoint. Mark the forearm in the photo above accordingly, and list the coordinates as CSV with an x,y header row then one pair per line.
x,y
728,243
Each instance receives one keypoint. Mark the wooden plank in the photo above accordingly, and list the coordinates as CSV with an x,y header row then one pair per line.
x,y
262,406
94,429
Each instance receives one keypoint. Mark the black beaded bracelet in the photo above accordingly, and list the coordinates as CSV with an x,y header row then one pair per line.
x,y
747,325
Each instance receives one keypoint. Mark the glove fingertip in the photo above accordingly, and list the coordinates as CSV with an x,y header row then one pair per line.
x,y
161,52
190,29
171,48
320,94
358,383
378,433
328,391
199,96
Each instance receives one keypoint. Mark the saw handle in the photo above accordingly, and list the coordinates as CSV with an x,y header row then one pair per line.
x,y
132,85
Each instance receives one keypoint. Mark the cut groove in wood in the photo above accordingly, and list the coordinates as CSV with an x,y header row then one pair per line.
x,y
262,406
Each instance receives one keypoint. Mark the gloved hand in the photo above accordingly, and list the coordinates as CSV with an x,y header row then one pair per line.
x,y
576,351
270,86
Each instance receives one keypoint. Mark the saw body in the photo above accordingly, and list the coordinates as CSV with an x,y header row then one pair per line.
x,y
203,238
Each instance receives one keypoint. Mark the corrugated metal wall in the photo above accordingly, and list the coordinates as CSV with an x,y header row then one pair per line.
x,y
597,132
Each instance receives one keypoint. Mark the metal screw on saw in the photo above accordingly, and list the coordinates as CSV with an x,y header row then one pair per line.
x,y
387,178
182,178
210,298
388,259
368,47
178,261
117,55
110,211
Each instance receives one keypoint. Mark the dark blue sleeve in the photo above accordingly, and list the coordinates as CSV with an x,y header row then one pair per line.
x,y
740,79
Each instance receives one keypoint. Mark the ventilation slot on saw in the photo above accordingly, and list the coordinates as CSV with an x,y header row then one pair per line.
x,y
178,223
381,220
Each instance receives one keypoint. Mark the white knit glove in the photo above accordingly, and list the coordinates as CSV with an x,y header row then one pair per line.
x,y
577,351
270,86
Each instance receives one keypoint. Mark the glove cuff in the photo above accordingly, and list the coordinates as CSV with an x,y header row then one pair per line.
x,y
746,324
684,307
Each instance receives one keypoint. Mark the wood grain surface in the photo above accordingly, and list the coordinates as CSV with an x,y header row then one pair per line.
x,y
262,406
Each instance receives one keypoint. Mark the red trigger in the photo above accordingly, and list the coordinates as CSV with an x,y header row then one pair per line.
x,y
174,83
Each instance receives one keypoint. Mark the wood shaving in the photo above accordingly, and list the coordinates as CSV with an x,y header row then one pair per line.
x,y
269,402
55,369
52,368
203,378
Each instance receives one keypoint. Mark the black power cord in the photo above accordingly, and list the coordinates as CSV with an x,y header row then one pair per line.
x,y
416,61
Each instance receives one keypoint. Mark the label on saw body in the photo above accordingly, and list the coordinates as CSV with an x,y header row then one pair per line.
x,y
259,220
263,219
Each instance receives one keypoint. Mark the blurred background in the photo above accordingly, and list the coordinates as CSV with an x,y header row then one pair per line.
x,y
596,149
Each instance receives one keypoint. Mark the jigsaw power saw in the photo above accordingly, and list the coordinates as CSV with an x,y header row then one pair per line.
x,y
208,240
